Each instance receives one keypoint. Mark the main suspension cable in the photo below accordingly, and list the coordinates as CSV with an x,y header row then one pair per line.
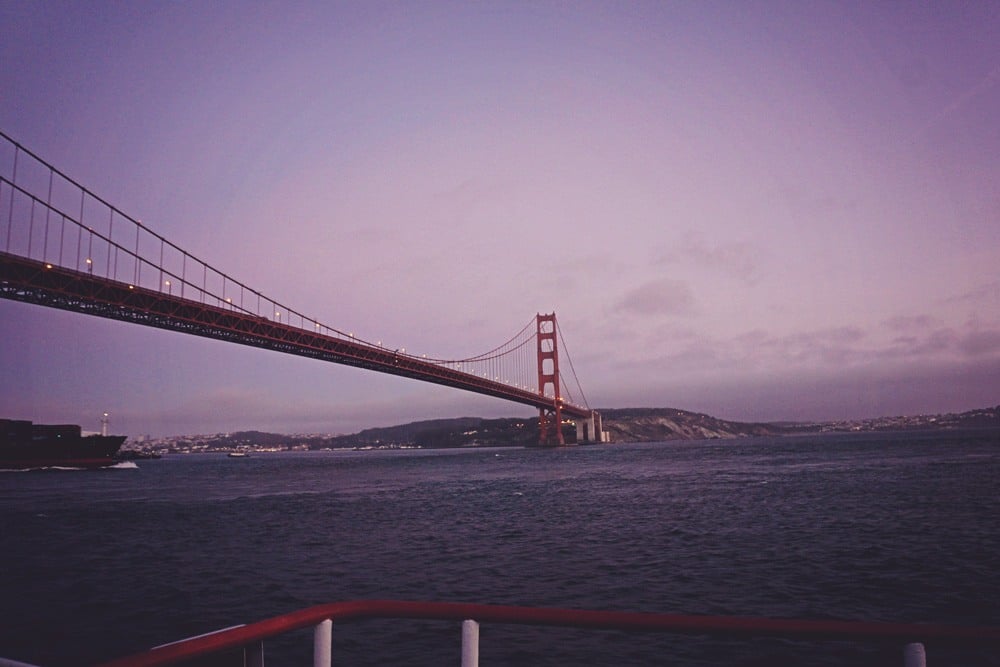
x,y
562,341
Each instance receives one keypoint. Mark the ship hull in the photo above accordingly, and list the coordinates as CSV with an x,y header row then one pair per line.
x,y
33,464
24,445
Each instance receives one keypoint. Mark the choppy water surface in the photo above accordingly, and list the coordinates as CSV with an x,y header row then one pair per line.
x,y
897,527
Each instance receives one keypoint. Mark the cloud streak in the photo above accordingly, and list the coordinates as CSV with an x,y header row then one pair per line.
x,y
658,298
739,260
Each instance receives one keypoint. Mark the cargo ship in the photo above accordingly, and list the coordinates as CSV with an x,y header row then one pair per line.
x,y
25,445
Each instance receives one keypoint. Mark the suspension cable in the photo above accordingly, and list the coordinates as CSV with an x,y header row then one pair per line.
x,y
562,341
491,354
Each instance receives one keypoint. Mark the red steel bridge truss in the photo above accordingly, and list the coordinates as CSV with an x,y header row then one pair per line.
x,y
64,247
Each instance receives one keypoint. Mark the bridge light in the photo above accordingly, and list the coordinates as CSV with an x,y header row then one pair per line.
x,y
48,266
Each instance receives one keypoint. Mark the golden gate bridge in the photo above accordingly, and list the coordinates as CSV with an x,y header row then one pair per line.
x,y
63,246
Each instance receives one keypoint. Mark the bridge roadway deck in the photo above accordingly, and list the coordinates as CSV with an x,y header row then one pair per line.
x,y
31,281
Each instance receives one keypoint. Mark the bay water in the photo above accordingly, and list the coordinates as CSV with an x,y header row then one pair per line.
x,y
874,526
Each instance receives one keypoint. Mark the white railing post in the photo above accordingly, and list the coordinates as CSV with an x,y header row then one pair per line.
x,y
253,655
323,643
914,655
470,644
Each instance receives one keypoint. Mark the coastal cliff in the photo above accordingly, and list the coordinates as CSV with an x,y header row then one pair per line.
x,y
661,424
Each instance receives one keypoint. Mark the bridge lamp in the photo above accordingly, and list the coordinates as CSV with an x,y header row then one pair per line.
x,y
169,289
90,265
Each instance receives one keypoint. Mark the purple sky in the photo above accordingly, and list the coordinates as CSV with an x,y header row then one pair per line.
x,y
759,210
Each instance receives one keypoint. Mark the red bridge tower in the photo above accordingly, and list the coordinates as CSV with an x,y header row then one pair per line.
x,y
549,419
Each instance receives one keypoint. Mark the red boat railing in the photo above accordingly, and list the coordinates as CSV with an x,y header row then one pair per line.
x,y
910,635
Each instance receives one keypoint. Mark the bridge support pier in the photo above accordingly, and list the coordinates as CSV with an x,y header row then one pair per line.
x,y
550,433
590,429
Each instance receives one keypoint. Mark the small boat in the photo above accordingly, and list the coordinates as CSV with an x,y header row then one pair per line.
x,y
237,455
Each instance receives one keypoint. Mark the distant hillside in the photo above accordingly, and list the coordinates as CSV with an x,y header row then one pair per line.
x,y
981,418
458,432
660,424
623,424
639,425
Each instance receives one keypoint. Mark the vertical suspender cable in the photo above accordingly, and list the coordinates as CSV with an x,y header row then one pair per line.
x,y
79,230
1,197
62,236
138,263
10,210
111,240
48,212
31,224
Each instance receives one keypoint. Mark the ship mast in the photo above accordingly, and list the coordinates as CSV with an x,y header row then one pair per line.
x,y
104,424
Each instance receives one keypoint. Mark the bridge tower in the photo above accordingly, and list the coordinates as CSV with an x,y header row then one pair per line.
x,y
549,419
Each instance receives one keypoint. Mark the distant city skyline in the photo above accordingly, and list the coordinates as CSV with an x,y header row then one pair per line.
x,y
763,212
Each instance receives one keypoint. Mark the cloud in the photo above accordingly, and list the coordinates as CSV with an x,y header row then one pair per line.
x,y
821,351
660,297
908,323
985,293
882,390
980,343
739,260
